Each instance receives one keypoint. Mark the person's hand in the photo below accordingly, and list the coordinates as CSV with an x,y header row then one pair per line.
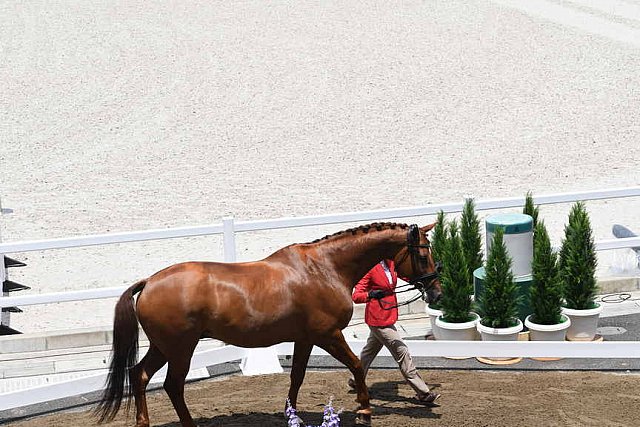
x,y
377,294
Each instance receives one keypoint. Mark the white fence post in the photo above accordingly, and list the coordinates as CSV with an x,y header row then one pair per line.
x,y
229,239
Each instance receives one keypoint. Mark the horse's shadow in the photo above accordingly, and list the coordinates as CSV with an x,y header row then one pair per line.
x,y
264,419
384,395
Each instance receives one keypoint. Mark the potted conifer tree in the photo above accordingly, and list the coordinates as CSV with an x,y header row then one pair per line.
x,y
471,238
438,237
457,321
530,209
578,273
498,302
438,243
546,323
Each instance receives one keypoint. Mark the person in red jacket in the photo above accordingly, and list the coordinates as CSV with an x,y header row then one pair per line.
x,y
377,290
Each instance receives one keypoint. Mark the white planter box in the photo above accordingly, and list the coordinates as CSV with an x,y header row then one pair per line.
x,y
458,331
583,323
500,334
433,315
555,332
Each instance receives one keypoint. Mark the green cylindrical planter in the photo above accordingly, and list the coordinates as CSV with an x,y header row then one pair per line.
x,y
522,282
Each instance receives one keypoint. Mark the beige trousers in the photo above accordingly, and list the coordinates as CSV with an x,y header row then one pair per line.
x,y
389,337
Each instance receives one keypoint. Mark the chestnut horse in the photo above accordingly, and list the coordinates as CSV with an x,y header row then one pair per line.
x,y
300,293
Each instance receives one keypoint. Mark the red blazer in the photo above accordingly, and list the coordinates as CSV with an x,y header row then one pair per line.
x,y
374,315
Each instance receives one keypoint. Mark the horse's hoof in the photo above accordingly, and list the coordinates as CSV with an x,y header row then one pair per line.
x,y
363,417
363,420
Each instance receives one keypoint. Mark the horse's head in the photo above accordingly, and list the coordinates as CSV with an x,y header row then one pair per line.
x,y
416,263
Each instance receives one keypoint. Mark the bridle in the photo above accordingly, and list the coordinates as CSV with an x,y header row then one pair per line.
x,y
421,283
424,281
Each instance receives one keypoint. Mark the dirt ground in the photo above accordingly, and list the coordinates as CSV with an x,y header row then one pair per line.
x,y
468,399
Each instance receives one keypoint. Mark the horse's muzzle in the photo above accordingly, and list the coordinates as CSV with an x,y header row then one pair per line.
x,y
433,296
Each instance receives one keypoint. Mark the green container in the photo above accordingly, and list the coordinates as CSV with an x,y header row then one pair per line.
x,y
523,284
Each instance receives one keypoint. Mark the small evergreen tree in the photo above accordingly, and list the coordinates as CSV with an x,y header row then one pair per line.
x,y
578,260
498,302
562,255
456,288
438,237
438,244
546,288
471,238
530,209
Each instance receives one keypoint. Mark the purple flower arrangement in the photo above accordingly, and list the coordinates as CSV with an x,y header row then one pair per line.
x,y
331,417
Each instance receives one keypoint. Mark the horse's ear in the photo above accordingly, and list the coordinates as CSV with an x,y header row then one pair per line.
x,y
414,233
428,228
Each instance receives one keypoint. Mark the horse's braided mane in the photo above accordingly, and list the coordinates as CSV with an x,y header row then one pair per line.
x,y
378,226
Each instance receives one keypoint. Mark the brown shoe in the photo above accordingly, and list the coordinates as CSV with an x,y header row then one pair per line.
x,y
351,383
429,399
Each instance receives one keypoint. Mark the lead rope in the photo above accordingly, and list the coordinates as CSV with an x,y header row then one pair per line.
x,y
395,292
391,307
419,284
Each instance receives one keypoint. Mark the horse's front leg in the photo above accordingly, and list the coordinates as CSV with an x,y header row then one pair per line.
x,y
337,347
301,353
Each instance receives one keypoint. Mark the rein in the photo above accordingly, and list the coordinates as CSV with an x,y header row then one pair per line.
x,y
420,283
417,284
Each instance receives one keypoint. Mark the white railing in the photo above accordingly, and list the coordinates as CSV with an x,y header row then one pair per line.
x,y
203,359
229,227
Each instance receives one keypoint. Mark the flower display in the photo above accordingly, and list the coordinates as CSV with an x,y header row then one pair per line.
x,y
331,417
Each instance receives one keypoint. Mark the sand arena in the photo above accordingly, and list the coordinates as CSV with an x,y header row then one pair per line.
x,y
136,116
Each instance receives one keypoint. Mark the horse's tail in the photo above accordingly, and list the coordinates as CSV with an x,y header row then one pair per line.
x,y
124,355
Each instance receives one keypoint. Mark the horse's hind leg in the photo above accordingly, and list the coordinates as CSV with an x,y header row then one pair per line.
x,y
174,383
140,375
301,353
337,347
